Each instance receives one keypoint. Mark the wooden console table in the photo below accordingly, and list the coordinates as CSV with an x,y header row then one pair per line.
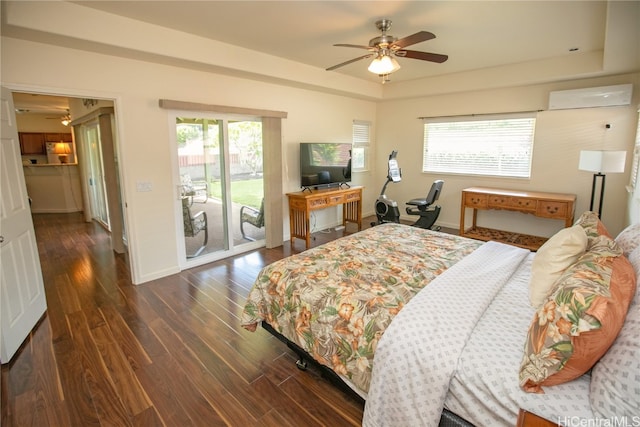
x,y
301,204
543,205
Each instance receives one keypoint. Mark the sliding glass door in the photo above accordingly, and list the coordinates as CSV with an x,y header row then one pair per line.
x,y
220,185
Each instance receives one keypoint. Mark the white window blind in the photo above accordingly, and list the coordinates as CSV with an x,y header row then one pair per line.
x,y
361,143
485,145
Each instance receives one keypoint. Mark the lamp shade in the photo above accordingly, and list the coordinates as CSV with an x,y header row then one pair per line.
x,y
61,148
602,161
384,64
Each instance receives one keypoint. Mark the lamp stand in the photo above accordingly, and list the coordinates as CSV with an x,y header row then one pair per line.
x,y
593,193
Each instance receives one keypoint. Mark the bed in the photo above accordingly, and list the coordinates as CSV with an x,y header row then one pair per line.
x,y
427,326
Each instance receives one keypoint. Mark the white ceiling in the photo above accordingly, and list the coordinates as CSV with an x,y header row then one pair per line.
x,y
31,103
475,34
481,38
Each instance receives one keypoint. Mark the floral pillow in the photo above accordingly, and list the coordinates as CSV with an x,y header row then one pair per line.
x,y
580,319
592,226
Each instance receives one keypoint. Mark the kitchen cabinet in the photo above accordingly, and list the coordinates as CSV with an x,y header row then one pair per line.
x,y
53,188
36,142
32,143
57,137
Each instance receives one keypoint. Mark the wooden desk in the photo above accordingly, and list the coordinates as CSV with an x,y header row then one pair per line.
x,y
543,205
301,204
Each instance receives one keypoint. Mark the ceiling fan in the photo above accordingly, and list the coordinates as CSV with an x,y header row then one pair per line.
x,y
385,47
65,120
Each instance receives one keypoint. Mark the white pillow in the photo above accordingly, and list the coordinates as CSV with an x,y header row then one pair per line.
x,y
629,238
558,253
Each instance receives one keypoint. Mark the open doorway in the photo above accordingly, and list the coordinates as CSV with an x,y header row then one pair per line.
x,y
69,158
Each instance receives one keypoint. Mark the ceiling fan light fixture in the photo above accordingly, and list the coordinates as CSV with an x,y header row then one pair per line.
x,y
384,64
66,120
385,48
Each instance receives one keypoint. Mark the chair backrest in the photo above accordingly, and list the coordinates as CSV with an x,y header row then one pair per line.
x,y
260,219
187,183
187,220
434,192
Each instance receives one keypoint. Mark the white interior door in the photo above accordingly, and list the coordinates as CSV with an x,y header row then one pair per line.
x,y
22,296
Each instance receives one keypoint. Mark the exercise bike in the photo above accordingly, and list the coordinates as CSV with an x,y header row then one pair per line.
x,y
428,214
386,209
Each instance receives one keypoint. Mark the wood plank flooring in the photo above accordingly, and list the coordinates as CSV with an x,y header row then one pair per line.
x,y
166,353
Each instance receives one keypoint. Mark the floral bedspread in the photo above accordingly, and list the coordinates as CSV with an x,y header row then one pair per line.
x,y
336,300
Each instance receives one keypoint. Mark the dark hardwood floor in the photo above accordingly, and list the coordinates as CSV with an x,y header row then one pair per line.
x,y
169,352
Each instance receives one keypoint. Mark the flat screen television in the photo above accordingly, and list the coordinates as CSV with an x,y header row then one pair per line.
x,y
324,164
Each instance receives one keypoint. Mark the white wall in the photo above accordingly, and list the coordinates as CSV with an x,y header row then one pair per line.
x,y
560,135
143,127
41,123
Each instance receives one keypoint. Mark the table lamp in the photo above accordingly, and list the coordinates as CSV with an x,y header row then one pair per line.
x,y
601,162
62,150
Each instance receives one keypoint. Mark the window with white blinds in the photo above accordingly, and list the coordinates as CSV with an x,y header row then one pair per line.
x,y
497,145
361,143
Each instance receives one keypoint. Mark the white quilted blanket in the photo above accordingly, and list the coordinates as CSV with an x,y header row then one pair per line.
x,y
418,353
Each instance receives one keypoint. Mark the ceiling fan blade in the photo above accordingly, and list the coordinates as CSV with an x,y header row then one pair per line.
x,y
425,56
418,37
350,61
357,46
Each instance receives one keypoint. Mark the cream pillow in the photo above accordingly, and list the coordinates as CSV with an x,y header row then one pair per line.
x,y
558,253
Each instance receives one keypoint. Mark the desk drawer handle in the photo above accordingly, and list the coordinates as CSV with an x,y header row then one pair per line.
x,y
552,210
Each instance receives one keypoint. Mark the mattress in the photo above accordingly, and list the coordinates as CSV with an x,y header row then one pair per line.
x,y
355,286
417,356
336,300
485,390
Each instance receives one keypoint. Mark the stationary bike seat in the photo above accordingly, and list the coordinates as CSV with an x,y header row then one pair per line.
x,y
417,202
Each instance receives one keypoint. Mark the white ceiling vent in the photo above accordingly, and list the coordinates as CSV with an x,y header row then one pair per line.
x,y
604,96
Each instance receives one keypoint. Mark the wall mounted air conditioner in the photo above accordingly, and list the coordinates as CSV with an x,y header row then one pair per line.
x,y
604,96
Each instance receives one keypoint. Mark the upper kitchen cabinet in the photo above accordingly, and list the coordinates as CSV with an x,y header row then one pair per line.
x,y
32,143
57,137
35,142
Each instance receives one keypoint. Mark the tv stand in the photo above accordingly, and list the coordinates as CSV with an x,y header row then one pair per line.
x,y
344,184
302,203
